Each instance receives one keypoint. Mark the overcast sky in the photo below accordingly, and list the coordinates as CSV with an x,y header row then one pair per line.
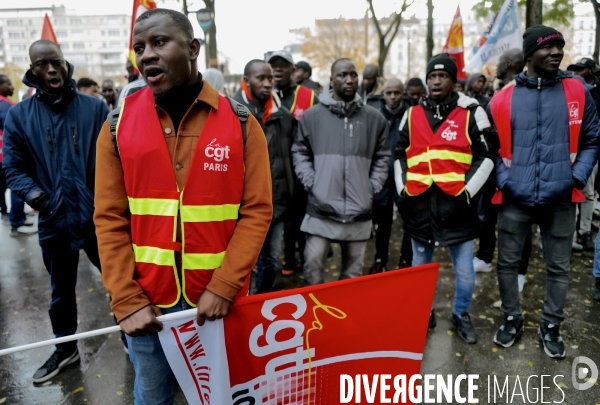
x,y
246,29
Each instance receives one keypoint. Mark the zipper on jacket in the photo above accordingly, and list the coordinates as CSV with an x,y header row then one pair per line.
x,y
74,140
351,133
345,122
49,137
539,136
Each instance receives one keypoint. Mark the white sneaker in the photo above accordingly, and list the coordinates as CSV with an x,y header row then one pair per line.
x,y
521,282
481,266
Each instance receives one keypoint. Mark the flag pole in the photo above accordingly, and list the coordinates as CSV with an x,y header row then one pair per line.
x,y
92,333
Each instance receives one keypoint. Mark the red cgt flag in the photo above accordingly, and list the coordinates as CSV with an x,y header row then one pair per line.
x,y
48,31
139,7
454,44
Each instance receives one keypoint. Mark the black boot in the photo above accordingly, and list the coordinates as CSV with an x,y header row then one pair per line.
x,y
586,242
596,291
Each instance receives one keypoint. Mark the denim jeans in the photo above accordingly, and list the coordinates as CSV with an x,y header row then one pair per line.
x,y
596,271
17,211
315,255
269,259
462,261
557,225
154,380
61,263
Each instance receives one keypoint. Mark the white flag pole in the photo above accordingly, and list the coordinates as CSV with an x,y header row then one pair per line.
x,y
83,335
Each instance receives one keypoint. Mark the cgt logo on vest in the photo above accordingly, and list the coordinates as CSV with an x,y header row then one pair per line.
x,y
216,152
448,134
574,118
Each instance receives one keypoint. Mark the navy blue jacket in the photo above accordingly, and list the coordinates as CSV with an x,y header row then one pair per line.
x,y
389,188
541,171
50,159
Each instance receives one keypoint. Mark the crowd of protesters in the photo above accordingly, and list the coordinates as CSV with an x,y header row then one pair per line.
x,y
305,166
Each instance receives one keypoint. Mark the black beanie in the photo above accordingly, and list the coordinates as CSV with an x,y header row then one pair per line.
x,y
444,62
537,36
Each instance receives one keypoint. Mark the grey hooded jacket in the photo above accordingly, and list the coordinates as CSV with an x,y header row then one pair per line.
x,y
341,156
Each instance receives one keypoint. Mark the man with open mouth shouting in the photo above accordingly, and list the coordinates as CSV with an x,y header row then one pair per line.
x,y
49,161
183,198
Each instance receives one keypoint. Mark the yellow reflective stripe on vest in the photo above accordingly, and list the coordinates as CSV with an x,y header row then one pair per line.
x,y
441,155
202,261
449,155
209,213
154,255
446,177
153,206
421,178
438,178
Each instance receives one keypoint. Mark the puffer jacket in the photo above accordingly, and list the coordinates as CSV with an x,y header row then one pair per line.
x,y
341,156
434,217
279,130
541,171
50,158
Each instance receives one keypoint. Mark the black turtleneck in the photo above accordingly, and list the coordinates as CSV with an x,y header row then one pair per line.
x,y
178,100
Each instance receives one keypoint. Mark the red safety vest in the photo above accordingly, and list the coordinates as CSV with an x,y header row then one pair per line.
x,y
443,157
208,205
303,100
501,108
2,98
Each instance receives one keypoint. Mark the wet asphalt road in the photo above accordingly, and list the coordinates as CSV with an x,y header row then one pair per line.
x,y
105,376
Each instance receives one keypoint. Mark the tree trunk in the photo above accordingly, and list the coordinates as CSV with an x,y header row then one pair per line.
x,y
184,8
534,13
597,39
429,31
212,36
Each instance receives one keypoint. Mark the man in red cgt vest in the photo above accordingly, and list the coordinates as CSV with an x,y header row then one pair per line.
x,y
183,198
443,158
548,130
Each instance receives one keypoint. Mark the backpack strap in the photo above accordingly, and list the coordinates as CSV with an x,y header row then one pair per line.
x,y
242,112
113,120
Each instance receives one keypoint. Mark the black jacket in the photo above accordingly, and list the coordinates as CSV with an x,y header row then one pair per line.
x,y
434,217
279,129
286,95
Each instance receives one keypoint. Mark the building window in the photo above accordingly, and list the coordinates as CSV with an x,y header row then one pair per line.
x,y
589,50
64,47
76,21
17,47
19,59
591,37
76,57
580,37
59,21
77,34
591,24
33,34
14,35
12,23
400,56
113,33
581,25
78,45
114,44
61,34
112,56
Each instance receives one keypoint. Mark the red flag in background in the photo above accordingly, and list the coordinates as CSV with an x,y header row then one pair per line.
x,y
48,31
454,44
139,7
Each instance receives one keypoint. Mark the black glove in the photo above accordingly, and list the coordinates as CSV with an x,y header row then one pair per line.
x,y
39,201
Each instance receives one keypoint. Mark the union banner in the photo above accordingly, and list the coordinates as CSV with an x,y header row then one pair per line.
x,y
454,44
291,347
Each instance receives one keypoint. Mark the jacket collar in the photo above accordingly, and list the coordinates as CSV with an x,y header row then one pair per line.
x,y
340,108
388,114
522,80
55,101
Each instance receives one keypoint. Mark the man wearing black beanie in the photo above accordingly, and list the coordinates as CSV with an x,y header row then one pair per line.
x,y
549,132
443,158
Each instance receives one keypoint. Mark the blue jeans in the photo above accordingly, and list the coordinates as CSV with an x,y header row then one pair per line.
x,y
596,271
17,211
462,261
269,259
154,380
